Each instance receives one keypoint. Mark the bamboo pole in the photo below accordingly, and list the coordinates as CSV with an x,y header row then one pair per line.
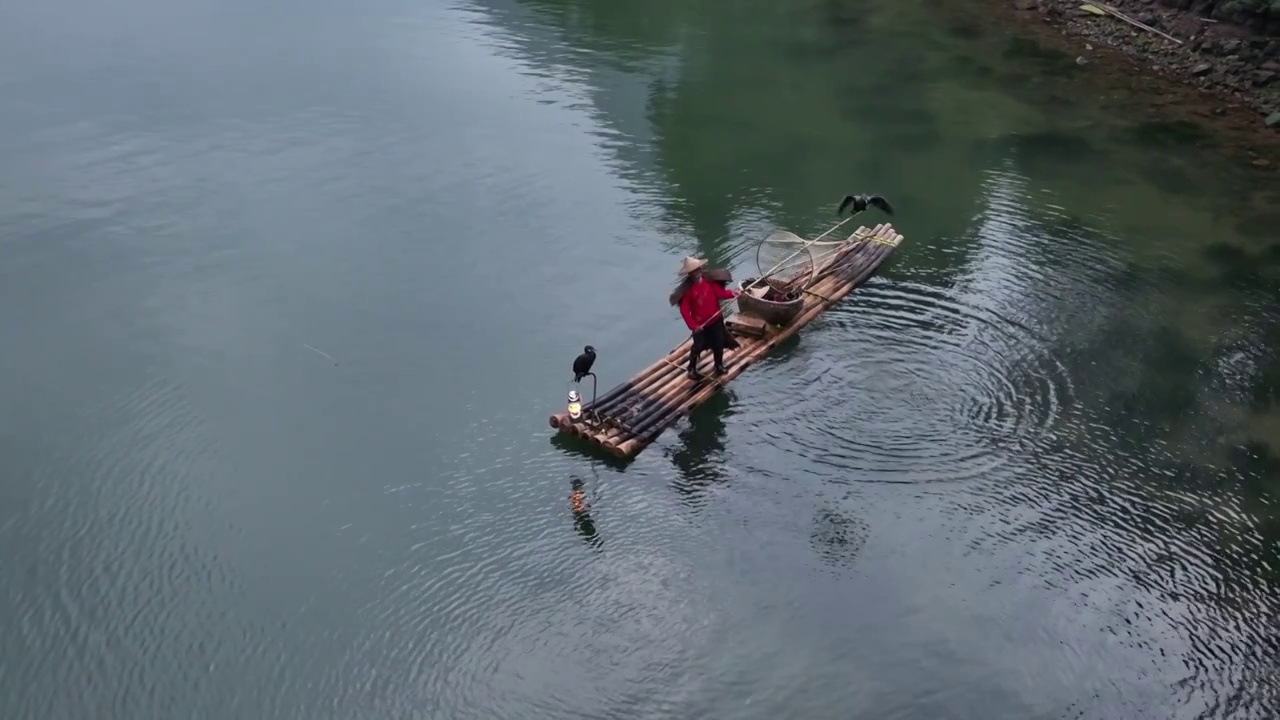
x,y
797,252
659,394
671,395
663,370
864,248
638,397
644,398
850,259
618,394
677,397
843,288
604,400
681,406
656,372
644,379
652,375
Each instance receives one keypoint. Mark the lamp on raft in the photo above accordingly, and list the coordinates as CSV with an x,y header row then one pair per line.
x,y
582,368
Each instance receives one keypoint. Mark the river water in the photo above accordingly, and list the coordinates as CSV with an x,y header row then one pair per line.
x,y
288,291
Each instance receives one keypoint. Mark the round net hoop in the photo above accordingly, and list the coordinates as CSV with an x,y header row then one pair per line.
x,y
783,257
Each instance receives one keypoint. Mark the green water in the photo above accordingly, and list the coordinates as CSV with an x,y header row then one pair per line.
x,y
288,292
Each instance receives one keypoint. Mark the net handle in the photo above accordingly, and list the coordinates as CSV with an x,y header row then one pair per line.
x,y
803,248
796,268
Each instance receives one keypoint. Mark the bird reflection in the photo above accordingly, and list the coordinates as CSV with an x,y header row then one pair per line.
x,y
700,456
581,509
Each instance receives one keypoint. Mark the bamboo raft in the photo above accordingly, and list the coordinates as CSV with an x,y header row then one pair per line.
x,y
628,418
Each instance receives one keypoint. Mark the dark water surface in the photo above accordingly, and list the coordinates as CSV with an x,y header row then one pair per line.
x,y
1028,472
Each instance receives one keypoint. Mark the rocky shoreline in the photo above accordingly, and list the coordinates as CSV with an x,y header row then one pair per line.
x,y
1229,48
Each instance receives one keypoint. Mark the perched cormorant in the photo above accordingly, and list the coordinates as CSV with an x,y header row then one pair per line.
x,y
582,363
860,203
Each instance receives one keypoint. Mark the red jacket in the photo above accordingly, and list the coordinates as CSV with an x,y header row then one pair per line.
x,y
700,302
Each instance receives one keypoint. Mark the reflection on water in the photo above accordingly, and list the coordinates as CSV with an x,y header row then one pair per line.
x,y
580,506
837,537
699,456
1029,471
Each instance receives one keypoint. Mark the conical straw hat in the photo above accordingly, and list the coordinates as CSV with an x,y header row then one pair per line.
x,y
690,264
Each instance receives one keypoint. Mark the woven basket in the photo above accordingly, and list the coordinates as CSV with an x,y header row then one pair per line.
x,y
776,313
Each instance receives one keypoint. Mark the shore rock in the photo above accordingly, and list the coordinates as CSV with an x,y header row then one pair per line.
x,y
1228,47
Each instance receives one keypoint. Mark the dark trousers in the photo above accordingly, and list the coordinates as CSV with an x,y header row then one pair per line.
x,y
715,336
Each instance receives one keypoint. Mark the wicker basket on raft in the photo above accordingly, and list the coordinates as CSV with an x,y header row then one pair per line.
x,y
770,301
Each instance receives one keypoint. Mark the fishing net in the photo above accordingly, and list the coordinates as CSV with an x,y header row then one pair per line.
x,y
783,257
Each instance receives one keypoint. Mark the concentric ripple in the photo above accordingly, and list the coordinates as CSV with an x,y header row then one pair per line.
x,y
523,619
837,537
920,388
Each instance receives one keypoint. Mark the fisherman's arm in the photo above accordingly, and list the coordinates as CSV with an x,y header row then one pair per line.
x,y
722,292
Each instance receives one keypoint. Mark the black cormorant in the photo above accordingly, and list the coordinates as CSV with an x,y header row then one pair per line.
x,y
582,363
860,203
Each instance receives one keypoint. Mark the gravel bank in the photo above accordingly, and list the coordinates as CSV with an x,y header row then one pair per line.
x,y
1229,48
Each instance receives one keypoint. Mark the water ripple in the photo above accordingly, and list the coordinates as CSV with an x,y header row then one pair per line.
x,y
138,599
940,393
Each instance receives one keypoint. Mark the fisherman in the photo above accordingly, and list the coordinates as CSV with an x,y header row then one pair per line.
x,y
698,298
